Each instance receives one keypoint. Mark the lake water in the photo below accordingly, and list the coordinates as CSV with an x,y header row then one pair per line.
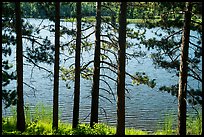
x,y
146,108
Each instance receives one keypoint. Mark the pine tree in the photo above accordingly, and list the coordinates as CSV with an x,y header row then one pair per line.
x,y
96,76
121,71
77,68
19,66
56,66
183,71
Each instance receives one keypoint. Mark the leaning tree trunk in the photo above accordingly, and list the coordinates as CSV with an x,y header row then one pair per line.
x,y
77,69
56,66
19,66
121,71
183,72
95,88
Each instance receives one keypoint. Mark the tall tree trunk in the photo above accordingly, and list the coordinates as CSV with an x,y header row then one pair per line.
x,y
95,87
183,72
19,66
56,66
1,71
77,69
121,70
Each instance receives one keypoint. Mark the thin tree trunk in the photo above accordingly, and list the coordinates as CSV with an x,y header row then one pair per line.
x,y
95,87
19,66
183,72
1,77
121,71
77,69
56,66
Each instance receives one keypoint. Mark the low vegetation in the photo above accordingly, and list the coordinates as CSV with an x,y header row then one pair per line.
x,y
40,123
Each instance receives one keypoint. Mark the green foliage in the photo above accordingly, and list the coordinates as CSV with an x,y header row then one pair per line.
x,y
8,124
45,9
102,129
168,125
82,129
132,131
167,46
41,126
194,96
67,73
194,125
8,40
142,78
42,53
42,112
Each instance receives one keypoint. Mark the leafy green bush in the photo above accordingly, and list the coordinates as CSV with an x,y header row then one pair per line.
x,y
82,129
102,129
8,124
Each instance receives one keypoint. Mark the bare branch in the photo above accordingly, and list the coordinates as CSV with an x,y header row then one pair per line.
x,y
88,35
87,28
114,43
30,87
109,88
105,97
38,65
109,69
116,57
195,45
107,57
33,40
86,65
195,75
108,77
177,32
104,112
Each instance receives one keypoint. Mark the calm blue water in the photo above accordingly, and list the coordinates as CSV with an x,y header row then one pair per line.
x,y
146,108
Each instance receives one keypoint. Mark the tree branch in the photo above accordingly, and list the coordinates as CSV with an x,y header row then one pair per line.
x,y
109,88
38,65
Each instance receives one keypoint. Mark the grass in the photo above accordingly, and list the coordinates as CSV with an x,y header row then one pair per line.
x,y
167,128
41,127
194,125
40,123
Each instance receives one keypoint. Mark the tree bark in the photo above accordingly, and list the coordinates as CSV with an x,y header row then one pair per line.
x,y
77,69
121,71
19,66
95,87
56,66
183,72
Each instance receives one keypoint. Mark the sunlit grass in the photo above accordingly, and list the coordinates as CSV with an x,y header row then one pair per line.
x,y
40,123
132,131
194,125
